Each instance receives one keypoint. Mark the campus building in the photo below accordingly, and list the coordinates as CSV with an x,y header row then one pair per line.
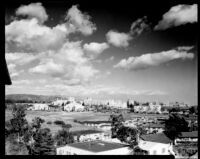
x,y
94,148
156,144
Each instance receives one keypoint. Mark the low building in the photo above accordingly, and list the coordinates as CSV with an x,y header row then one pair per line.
x,y
94,148
187,138
39,106
156,144
94,123
154,128
104,126
73,106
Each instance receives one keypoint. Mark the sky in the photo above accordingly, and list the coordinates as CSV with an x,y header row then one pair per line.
x,y
142,51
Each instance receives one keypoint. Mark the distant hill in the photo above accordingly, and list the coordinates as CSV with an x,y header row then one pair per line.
x,y
31,98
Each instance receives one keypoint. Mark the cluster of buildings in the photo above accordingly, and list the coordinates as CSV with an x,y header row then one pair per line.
x,y
151,108
70,105
99,141
102,144
109,103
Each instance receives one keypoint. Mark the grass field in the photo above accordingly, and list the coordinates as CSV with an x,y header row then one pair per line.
x,y
68,118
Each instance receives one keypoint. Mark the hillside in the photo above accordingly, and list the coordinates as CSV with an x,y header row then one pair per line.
x,y
30,97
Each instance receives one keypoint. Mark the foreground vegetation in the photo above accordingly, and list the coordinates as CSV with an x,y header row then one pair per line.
x,y
23,137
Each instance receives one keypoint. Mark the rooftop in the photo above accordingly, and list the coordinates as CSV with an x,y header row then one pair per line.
x,y
160,138
85,132
158,125
189,134
97,146
94,122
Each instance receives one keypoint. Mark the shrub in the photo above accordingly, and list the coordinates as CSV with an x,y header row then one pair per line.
x,y
59,122
49,122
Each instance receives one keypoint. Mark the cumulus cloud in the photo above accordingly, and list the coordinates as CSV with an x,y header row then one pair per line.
x,y
67,63
122,39
154,59
78,21
48,66
178,15
13,71
94,49
20,58
118,39
33,10
139,26
28,33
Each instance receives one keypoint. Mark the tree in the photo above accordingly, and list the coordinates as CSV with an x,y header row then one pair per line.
x,y
116,123
141,130
63,136
174,125
128,135
18,123
43,143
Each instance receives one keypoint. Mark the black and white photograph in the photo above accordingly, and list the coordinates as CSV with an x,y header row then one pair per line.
x,y
101,78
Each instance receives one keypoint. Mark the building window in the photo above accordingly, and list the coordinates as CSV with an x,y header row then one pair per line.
x,y
154,152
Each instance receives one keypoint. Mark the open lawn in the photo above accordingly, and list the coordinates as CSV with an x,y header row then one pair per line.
x,y
68,118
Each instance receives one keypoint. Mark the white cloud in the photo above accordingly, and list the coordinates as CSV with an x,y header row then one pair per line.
x,y
178,15
118,39
154,59
48,66
29,34
122,39
78,21
20,58
139,26
67,63
47,50
33,10
94,49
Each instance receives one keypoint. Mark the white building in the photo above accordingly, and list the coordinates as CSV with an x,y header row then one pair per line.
x,y
73,106
94,148
60,102
39,106
156,144
104,126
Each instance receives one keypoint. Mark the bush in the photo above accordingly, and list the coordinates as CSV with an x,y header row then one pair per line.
x,y
76,121
59,122
49,122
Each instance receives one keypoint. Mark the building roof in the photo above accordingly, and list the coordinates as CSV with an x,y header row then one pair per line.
x,y
94,122
160,138
147,145
97,146
152,125
192,134
85,132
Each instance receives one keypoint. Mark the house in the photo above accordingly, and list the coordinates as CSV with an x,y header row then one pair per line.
x,y
73,106
39,106
104,126
87,135
156,144
60,102
187,137
95,123
154,128
94,148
